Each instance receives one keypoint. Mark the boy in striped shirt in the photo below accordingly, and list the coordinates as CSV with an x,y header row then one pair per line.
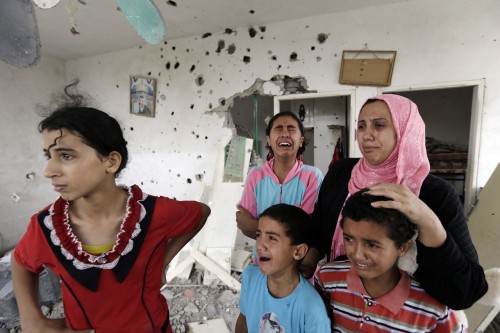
x,y
368,292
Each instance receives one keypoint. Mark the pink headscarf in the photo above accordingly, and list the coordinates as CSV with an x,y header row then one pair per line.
x,y
408,163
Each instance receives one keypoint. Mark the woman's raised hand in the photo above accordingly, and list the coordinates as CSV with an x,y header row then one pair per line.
x,y
431,232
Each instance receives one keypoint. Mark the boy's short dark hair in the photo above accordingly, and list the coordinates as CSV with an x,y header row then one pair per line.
x,y
296,222
358,208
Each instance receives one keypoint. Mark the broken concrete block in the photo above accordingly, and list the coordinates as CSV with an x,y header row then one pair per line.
x,y
189,292
222,257
211,310
240,259
57,311
168,294
180,267
191,308
214,268
210,326
8,306
228,296
49,286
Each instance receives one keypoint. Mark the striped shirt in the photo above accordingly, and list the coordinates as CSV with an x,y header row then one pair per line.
x,y
406,308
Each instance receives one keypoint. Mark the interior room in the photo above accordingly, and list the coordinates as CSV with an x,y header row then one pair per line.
x,y
223,68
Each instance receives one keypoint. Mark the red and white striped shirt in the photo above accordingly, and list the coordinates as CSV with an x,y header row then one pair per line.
x,y
406,308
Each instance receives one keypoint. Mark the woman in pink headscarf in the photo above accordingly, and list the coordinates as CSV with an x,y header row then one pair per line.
x,y
391,137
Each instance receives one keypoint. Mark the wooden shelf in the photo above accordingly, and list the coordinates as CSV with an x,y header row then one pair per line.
x,y
447,156
449,171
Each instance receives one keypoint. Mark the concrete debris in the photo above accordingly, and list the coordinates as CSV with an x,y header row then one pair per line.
x,y
227,296
222,257
168,294
208,264
211,311
181,266
192,308
189,292
209,326
50,293
213,302
240,259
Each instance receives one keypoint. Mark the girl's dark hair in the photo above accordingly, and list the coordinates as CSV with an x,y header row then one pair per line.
x,y
297,223
301,150
96,128
358,208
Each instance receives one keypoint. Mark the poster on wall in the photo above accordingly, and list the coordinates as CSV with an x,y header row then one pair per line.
x,y
142,96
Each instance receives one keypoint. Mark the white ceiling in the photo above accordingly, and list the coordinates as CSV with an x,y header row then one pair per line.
x,y
103,28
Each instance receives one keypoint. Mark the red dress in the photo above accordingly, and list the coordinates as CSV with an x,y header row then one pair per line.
x,y
118,291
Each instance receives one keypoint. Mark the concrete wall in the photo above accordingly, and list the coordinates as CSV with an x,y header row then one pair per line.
x,y
437,42
21,146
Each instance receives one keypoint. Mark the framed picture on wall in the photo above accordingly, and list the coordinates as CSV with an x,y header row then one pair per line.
x,y
142,96
367,68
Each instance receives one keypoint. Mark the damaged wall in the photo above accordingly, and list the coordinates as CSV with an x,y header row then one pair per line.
x,y
437,42
22,161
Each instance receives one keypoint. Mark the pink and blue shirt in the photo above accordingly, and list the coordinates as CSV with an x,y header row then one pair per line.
x,y
263,188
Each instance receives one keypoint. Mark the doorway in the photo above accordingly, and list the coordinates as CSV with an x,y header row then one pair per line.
x,y
326,122
452,114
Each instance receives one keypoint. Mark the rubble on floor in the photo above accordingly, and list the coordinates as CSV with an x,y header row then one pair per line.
x,y
190,301
50,293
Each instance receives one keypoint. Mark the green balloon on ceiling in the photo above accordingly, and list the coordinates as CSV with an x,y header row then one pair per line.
x,y
145,18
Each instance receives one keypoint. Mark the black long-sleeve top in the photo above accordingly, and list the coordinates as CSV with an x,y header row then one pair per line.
x,y
450,273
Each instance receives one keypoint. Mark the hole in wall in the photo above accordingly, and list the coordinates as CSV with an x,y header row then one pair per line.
x,y
247,111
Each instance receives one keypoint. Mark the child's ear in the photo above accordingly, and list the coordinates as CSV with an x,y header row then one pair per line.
x,y
404,248
300,251
114,160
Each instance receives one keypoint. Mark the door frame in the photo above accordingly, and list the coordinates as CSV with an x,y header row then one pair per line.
x,y
471,188
350,96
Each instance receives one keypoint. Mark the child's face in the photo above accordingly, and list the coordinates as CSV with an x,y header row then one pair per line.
x,y
371,252
285,137
75,169
276,253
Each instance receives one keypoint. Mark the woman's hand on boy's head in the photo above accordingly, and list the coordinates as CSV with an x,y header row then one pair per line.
x,y
403,200
431,231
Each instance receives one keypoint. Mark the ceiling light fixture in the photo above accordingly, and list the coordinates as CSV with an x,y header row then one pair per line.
x,y
46,4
